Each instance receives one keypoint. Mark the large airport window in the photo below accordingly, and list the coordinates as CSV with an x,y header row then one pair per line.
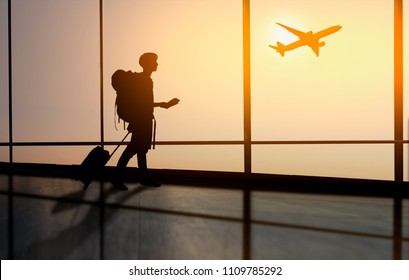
x,y
344,94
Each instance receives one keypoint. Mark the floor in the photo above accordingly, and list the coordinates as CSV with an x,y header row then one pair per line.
x,y
52,218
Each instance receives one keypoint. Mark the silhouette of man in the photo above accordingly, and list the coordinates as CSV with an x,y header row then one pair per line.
x,y
141,125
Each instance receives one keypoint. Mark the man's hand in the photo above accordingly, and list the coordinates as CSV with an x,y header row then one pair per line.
x,y
170,103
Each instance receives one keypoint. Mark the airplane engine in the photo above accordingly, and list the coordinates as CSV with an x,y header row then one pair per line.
x,y
321,44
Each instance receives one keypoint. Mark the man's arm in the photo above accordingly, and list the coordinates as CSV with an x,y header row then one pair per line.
x,y
166,105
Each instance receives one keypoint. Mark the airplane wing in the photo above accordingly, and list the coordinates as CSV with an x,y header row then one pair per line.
x,y
315,46
292,30
316,50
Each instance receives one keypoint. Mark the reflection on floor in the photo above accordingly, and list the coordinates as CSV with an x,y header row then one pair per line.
x,y
54,219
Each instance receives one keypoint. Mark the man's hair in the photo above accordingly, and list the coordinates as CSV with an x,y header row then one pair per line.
x,y
146,58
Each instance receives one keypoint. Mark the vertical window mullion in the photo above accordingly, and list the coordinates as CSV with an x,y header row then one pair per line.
x,y
246,86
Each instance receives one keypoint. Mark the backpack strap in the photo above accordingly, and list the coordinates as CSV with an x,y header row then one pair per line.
x,y
116,116
154,133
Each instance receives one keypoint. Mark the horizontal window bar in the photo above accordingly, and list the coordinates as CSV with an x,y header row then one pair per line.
x,y
228,142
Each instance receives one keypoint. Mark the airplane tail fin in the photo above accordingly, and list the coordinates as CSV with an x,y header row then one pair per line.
x,y
279,48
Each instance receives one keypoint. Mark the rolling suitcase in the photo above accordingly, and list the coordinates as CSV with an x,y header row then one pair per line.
x,y
93,163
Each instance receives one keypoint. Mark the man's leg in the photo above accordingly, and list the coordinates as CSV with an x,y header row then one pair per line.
x,y
142,164
143,171
127,154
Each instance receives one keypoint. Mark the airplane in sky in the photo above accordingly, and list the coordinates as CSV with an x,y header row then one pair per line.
x,y
305,39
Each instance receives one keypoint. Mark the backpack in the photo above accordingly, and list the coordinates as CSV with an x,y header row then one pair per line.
x,y
125,84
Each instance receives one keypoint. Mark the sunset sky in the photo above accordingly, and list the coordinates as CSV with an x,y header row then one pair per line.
x,y
344,94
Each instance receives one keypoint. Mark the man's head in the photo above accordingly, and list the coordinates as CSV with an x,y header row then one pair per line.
x,y
148,61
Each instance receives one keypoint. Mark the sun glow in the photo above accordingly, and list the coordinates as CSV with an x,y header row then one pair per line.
x,y
281,35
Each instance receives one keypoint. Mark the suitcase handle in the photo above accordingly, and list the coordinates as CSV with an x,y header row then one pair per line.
x,y
119,144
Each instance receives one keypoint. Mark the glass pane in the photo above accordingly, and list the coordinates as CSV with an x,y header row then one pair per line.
x,y
217,158
54,155
55,70
199,44
405,163
4,75
4,154
345,93
348,161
